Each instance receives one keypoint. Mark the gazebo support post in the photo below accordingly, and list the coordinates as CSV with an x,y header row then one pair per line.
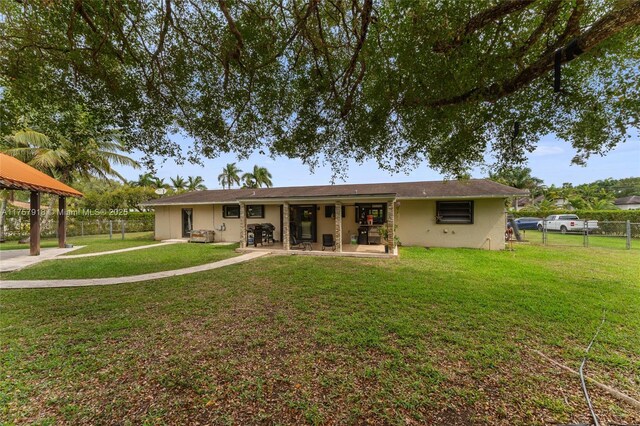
x,y
62,221
34,213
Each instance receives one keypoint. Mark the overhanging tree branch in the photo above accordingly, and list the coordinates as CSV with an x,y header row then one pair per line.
x,y
607,26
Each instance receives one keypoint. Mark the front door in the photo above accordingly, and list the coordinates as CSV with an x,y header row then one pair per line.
x,y
303,222
187,222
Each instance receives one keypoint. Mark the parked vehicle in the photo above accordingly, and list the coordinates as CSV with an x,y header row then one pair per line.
x,y
567,223
527,223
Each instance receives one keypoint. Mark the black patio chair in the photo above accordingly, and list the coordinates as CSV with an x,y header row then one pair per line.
x,y
297,244
327,241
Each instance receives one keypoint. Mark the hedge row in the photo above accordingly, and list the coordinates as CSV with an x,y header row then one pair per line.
x,y
86,215
17,224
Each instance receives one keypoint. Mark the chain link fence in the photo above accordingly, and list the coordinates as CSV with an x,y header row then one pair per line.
x,y
623,235
16,226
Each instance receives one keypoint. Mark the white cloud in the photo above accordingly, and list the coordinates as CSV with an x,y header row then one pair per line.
x,y
544,150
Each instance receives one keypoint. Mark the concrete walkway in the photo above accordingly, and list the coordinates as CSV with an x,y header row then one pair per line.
x,y
130,279
12,260
101,253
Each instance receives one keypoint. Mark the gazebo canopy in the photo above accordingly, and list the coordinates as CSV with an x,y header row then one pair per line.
x,y
14,174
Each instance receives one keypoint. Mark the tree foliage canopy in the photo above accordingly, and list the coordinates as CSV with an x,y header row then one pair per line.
x,y
397,81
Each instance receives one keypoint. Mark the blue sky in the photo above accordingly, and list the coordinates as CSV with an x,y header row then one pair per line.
x,y
551,161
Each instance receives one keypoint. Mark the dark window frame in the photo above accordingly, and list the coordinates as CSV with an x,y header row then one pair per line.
x,y
225,213
370,206
330,210
455,212
250,207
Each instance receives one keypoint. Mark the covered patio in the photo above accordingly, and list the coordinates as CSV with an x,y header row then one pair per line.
x,y
361,225
16,175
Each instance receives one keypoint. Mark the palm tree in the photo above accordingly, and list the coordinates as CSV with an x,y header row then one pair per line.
x,y
160,183
81,153
260,176
145,179
195,183
519,177
230,175
179,184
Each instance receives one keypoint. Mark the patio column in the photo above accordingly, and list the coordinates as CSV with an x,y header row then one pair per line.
x,y
34,213
285,225
391,221
243,226
62,221
338,217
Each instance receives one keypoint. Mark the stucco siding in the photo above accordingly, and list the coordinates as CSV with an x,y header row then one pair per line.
x,y
232,225
417,226
327,225
169,220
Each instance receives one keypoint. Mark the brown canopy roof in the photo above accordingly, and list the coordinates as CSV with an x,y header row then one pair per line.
x,y
14,174
473,188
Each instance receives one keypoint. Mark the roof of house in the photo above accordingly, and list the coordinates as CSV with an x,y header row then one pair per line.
x,y
14,174
472,188
633,199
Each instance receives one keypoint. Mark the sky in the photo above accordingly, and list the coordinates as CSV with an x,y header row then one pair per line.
x,y
551,162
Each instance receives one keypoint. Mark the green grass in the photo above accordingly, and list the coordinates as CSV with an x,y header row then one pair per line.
x,y
440,336
577,240
93,243
154,259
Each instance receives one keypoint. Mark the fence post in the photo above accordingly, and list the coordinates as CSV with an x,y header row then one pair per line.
x,y
585,229
110,229
82,228
122,221
544,232
628,235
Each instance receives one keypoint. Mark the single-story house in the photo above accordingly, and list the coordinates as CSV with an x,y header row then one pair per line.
x,y
628,203
466,213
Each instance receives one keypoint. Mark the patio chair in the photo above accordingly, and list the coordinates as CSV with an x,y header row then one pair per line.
x,y
297,244
328,241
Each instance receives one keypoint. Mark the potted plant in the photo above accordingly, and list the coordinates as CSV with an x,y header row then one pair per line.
x,y
384,234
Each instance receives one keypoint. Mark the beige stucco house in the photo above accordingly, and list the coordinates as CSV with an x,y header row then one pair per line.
x,y
469,213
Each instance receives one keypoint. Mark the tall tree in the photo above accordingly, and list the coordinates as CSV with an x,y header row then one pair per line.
x,y
178,183
230,175
145,179
195,183
396,81
160,183
257,178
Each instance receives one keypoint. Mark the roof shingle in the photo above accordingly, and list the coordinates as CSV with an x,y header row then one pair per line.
x,y
401,190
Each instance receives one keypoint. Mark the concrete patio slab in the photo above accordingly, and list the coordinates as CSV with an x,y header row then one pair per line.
x,y
12,260
17,284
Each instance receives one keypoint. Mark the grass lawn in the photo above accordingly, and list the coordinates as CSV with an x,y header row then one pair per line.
x,y
164,258
577,240
440,336
93,243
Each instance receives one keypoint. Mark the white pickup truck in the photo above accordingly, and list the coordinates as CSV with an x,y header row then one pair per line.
x,y
567,223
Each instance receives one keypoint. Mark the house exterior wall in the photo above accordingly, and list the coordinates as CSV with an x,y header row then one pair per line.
x,y
628,206
327,225
417,225
232,225
169,220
